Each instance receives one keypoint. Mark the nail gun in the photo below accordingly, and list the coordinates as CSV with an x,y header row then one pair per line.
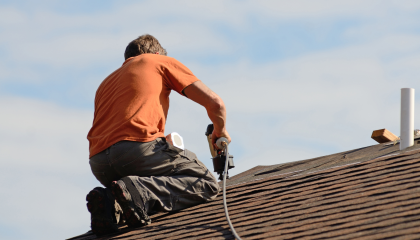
x,y
219,155
222,162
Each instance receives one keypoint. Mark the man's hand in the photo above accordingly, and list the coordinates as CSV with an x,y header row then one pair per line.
x,y
218,134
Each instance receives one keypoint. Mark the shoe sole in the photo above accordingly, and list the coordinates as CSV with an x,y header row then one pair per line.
x,y
100,223
133,217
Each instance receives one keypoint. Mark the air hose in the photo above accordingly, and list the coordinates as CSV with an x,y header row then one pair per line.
x,y
222,143
224,192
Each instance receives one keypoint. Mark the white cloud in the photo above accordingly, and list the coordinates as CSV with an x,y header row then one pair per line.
x,y
45,168
37,125
11,17
80,40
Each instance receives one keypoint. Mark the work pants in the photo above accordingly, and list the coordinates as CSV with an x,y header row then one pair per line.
x,y
167,178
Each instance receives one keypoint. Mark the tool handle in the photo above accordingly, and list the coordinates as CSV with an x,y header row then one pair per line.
x,y
221,142
208,133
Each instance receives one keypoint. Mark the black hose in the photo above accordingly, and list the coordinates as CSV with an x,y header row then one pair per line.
x,y
224,194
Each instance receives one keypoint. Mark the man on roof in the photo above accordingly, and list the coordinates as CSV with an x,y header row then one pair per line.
x,y
143,174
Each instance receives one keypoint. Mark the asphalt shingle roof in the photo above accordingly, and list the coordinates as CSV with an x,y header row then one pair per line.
x,y
367,193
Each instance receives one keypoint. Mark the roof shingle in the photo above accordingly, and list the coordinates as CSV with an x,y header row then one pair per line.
x,y
367,193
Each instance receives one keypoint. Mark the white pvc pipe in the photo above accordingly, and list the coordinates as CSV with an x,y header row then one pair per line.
x,y
407,118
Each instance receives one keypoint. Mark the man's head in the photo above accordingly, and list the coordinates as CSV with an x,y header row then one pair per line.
x,y
144,44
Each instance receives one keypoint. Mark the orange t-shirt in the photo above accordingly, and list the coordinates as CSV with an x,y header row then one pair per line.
x,y
132,103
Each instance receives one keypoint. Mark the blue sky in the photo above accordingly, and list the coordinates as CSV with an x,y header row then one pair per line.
x,y
300,79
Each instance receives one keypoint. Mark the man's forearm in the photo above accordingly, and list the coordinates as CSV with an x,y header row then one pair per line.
x,y
217,114
216,110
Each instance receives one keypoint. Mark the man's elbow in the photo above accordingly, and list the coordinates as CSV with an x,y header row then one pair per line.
x,y
216,104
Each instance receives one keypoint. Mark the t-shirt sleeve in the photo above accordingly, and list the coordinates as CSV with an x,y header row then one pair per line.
x,y
178,76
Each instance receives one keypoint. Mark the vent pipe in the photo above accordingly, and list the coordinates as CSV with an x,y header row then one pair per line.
x,y
407,118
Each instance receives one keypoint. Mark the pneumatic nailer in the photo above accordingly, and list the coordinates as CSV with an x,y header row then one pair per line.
x,y
222,162
219,155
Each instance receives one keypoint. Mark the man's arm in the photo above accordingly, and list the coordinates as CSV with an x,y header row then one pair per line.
x,y
201,94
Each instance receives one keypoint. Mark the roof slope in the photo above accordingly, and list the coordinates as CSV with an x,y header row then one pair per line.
x,y
368,193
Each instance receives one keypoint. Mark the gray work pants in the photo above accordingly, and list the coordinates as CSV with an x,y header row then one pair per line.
x,y
167,177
